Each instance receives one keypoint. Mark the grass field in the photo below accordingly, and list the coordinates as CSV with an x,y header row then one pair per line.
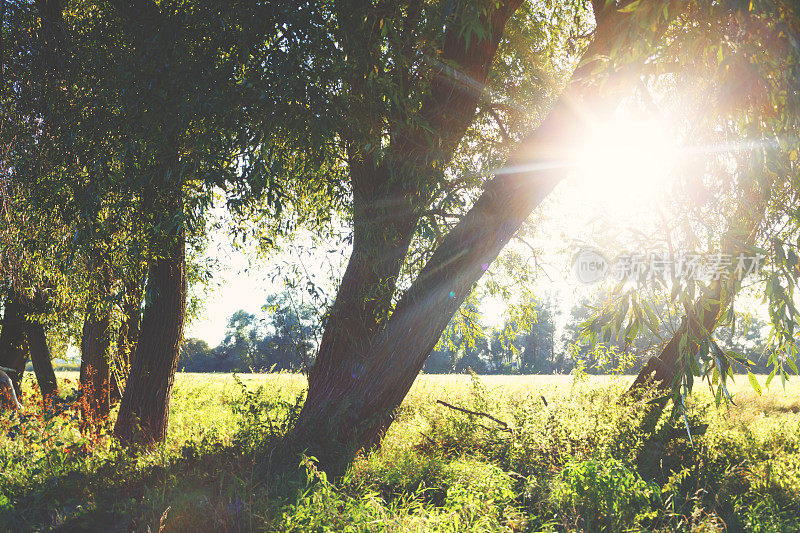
x,y
578,462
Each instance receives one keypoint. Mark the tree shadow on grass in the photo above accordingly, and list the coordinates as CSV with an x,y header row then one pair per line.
x,y
215,487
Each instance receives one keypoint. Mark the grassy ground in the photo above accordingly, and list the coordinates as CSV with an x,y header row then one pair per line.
x,y
578,462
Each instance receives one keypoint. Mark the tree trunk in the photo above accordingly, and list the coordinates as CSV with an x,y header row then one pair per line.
x,y
8,397
663,370
380,243
341,416
94,375
13,340
128,336
42,362
144,410
20,338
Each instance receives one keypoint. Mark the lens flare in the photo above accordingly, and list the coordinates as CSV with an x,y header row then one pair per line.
x,y
625,162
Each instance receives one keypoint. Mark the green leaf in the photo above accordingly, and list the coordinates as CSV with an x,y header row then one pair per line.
x,y
686,422
695,368
732,354
633,6
661,399
769,378
754,382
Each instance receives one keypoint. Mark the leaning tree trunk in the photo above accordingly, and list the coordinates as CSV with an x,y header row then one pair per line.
x,y
365,292
350,409
94,375
42,362
663,371
144,410
13,340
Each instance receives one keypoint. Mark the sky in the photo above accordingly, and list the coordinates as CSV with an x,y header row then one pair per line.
x,y
238,283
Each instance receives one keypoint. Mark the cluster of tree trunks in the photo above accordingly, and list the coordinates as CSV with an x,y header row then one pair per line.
x,y
21,338
371,351
148,344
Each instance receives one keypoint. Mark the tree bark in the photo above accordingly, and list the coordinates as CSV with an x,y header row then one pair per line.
x,y
128,336
8,396
42,362
351,410
94,375
144,410
13,340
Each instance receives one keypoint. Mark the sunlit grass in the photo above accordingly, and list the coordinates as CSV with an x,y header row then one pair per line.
x,y
437,467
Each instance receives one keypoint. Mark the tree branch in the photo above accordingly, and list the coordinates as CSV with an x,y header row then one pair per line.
x,y
505,427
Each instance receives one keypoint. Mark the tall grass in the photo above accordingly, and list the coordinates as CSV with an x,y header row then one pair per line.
x,y
569,458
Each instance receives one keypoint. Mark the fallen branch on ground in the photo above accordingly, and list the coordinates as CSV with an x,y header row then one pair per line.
x,y
478,413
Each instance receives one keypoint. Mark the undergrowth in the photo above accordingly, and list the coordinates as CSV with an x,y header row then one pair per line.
x,y
568,457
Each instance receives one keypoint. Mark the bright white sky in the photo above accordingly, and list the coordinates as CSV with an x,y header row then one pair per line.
x,y
237,284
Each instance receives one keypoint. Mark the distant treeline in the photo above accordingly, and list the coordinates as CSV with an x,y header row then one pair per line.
x,y
283,337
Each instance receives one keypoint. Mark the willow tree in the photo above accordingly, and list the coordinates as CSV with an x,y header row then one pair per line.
x,y
419,83
746,161
126,117
65,235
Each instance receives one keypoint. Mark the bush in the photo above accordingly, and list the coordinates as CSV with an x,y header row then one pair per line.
x,y
603,496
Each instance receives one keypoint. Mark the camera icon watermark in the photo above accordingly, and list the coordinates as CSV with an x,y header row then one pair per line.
x,y
590,265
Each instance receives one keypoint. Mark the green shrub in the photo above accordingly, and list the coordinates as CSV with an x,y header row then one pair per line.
x,y
603,496
479,494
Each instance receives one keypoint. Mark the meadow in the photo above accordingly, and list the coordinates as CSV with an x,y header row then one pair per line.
x,y
559,454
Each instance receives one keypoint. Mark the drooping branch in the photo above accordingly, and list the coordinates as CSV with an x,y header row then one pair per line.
x,y
702,318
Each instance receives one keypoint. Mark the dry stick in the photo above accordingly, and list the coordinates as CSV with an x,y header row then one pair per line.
x,y
433,442
478,413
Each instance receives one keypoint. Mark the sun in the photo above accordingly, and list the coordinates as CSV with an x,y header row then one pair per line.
x,y
625,162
